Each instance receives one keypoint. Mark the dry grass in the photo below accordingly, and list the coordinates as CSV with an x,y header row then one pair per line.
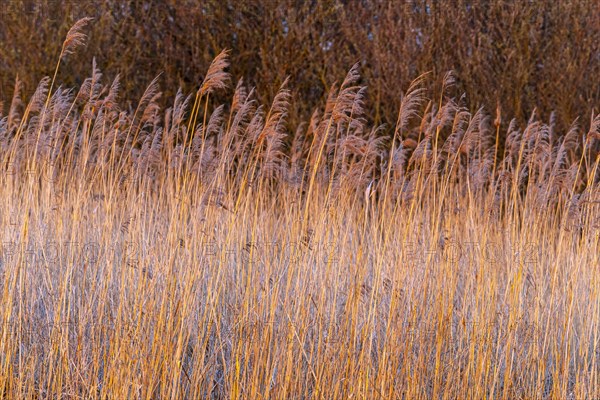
x,y
208,252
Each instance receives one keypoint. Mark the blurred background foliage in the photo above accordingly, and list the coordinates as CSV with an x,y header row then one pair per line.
x,y
518,55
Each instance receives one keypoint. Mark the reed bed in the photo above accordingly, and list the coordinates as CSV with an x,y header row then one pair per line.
x,y
210,251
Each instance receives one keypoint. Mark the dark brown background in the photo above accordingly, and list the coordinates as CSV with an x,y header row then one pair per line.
x,y
520,54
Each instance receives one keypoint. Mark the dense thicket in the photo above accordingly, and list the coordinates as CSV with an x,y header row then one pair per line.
x,y
518,55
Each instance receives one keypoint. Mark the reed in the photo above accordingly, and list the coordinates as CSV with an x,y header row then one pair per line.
x,y
147,255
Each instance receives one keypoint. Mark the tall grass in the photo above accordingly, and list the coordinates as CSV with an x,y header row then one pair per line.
x,y
205,251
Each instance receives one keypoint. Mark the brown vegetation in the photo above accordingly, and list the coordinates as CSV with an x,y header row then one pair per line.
x,y
209,251
520,55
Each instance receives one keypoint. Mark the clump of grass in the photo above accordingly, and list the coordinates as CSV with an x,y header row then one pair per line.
x,y
206,251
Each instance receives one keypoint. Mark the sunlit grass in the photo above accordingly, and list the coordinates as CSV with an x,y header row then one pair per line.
x,y
206,251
